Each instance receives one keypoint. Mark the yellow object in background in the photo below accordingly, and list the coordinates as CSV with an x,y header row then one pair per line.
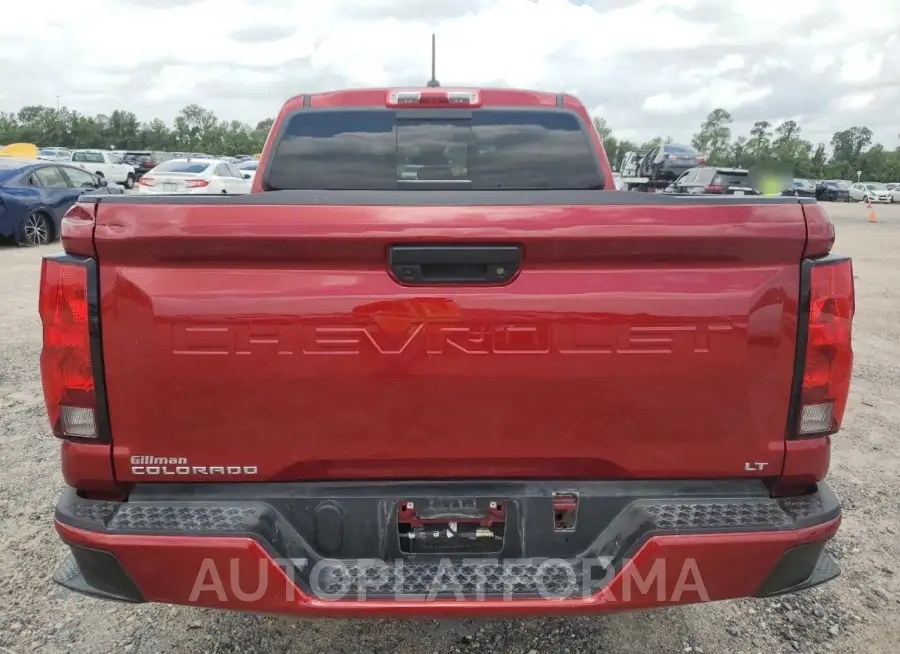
x,y
20,150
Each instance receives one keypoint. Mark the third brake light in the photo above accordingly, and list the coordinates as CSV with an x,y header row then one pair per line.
x,y
432,97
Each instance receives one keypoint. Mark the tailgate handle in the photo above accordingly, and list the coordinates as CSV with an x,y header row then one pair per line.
x,y
454,264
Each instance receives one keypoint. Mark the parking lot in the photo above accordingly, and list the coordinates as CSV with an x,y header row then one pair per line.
x,y
859,612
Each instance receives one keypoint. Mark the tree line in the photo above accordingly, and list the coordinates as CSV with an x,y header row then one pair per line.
x,y
851,149
197,129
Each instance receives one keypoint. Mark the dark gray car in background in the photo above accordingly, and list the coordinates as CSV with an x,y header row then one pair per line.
x,y
144,161
669,160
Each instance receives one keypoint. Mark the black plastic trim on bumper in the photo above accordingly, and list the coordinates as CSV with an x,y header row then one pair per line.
x,y
97,574
800,568
614,520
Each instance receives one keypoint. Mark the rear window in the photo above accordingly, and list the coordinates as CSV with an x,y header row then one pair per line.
x,y
182,167
679,149
91,157
383,150
731,178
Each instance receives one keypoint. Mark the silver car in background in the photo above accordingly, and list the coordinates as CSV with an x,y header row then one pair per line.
x,y
247,168
870,191
894,188
54,154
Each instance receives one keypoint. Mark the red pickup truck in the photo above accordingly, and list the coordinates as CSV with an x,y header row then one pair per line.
x,y
434,364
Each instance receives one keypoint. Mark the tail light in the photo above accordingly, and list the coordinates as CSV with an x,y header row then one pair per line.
x,y
67,373
715,188
196,183
432,98
146,181
826,346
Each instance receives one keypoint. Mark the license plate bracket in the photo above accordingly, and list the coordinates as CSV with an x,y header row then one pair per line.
x,y
451,525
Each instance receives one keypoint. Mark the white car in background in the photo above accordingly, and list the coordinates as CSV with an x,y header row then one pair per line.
x,y
54,154
247,169
194,176
630,163
874,191
894,188
105,164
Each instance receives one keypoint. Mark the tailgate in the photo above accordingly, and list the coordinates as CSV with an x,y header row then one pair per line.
x,y
264,338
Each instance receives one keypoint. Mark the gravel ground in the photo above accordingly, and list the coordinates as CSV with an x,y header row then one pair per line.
x,y
858,612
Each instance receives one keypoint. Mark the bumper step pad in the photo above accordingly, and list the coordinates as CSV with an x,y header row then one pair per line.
x,y
615,519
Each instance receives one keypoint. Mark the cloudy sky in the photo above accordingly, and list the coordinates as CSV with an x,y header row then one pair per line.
x,y
650,67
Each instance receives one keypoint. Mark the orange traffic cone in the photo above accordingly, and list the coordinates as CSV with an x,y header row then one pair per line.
x,y
872,217
869,203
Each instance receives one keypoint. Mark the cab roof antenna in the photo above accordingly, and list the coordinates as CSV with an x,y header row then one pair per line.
x,y
433,83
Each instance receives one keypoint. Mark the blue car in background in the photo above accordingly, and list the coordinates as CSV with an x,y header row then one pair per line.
x,y
35,194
